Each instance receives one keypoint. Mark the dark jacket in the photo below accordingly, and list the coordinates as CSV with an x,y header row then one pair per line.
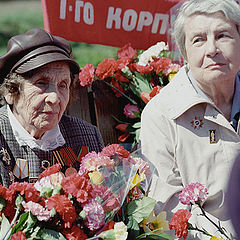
x,y
76,132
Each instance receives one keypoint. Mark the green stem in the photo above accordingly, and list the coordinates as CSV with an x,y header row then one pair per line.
x,y
129,99
210,220
148,233
190,227
7,234
92,238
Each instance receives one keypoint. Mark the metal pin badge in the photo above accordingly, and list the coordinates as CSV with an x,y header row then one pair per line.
x,y
197,123
5,156
20,169
212,136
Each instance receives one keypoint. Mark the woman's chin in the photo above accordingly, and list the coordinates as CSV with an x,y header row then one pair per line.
x,y
46,126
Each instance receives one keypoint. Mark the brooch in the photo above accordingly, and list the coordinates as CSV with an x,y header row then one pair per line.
x,y
197,123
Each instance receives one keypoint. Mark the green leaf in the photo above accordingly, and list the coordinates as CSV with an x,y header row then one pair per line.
x,y
141,208
46,192
136,125
133,228
5,225
57,189
30,222
49,234
19,226
132,224
155,236
34,233
18,201
137,133
143,83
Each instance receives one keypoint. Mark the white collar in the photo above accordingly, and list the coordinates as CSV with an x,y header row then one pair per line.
x,y
194,83
49,141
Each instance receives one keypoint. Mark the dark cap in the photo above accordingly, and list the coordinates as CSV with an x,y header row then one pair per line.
x,y
34,49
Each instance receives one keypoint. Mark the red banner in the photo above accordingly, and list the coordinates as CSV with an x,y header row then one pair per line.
x,y
142,23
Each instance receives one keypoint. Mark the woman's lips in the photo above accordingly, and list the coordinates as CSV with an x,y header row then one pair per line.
x,y
215,65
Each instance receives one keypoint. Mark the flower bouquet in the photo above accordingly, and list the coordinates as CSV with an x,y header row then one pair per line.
x,y
193,195
135,78
104,200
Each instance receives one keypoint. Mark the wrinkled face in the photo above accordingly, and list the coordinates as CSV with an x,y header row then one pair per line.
x,y
212,45
43,98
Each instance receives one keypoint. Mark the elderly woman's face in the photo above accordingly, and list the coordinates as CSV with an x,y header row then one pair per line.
x,y
212,45
43,98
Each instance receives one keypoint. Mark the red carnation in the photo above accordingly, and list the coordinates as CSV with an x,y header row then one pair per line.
x,y
63,207
75,233
51,170
122,63
86,76
3,191
118,86
161,64
109,200
122,127
78,186
123,137
142,69
126,51
146,97
155,91
24,189
113,149
106,68
179,223
118,75
109,225
9,210
18,236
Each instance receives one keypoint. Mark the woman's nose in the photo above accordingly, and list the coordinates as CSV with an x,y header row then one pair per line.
x,y
52,95
211,48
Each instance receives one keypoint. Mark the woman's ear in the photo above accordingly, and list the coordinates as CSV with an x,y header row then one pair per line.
x,y
9,98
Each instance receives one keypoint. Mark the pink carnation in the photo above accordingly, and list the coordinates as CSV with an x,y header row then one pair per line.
x,y
110,202
173,67
141,165
92,161
130,111
86,76
37,210
193,193
95,214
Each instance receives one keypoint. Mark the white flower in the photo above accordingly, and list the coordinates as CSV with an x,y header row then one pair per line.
x,y
120,230
49,181
153,51
118,233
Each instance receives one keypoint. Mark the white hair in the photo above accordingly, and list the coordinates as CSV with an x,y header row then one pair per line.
x,y
229,8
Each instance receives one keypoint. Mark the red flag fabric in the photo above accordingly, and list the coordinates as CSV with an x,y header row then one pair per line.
x,y
142,23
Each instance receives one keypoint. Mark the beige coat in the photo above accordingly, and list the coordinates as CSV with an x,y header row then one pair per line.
x,y
188,140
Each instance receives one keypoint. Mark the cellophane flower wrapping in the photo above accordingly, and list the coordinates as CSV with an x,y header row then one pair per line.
x,y
80,206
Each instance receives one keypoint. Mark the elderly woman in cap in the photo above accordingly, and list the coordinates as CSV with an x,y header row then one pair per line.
x,y
190,131
38,75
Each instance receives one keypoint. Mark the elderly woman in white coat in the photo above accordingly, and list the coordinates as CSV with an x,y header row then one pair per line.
x,y
190,130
